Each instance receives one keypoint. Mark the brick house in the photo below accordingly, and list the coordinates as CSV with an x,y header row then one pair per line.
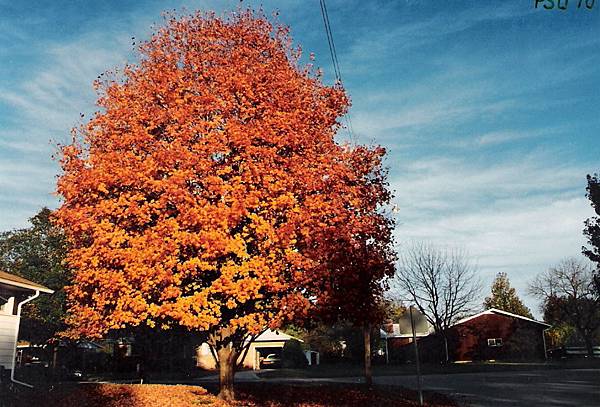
x,y
492,334
497,335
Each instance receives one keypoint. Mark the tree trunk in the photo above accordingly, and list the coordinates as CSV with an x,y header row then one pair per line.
x,y
367,340
227,359
589,346
446,353
55,361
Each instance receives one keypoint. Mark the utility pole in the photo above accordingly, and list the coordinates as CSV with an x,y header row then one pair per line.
x,y
387,354
418,364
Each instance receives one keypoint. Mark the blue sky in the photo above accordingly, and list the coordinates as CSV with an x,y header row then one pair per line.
x,y
490,110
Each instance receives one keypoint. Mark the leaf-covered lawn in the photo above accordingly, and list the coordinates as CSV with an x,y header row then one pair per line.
x,y
114,395
283,395
250,395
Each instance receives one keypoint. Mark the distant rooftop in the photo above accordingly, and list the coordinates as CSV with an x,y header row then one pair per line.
x,y
500,312
401,327
269,335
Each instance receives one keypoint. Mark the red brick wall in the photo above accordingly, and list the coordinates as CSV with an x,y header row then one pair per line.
x,y
521,340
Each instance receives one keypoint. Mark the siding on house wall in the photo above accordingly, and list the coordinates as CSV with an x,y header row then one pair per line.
x,y
7,339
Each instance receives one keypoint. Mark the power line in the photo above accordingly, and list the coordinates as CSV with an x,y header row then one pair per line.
x,y
332,50
335,61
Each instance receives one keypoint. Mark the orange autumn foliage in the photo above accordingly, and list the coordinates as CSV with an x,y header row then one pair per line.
x,y
209,191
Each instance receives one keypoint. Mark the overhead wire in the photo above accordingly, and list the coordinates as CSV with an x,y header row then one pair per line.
x,y
330,42
335,62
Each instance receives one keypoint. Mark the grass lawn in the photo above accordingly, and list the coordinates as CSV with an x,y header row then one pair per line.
x,y
356,370
250,395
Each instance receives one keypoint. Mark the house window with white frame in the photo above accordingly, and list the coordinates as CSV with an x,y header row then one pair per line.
x,y
494,342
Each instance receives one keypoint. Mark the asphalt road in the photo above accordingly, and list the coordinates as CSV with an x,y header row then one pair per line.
x,y
568,387
548,387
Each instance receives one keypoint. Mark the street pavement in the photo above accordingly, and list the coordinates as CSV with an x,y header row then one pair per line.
x,y
549,387
568,387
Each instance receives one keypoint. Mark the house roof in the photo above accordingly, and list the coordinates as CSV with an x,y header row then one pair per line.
x,y
20,282
271,336
401,327
383,334
500,312
401,331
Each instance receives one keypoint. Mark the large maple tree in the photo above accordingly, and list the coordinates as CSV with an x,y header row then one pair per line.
x,y
209,191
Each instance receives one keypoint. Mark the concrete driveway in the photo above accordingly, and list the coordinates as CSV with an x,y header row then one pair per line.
x,y
568,387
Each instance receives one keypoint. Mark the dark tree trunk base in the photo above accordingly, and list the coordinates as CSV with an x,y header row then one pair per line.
x,y
226,394
227,359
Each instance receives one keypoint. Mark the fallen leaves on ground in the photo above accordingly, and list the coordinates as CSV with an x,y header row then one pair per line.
x,y
283,395
248,395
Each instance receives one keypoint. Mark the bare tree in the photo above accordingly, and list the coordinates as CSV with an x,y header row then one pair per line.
x,y
568,295
441,282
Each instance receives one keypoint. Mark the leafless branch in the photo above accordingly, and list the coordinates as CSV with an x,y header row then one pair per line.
x,y
441,282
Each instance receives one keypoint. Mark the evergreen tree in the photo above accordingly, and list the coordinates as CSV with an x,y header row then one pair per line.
x,y
504,297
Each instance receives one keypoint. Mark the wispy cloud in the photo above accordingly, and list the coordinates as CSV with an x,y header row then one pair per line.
x,y
514,216
500,137
506,136
62,87
459,183
43,107
520,238
486,112
10,142
409,34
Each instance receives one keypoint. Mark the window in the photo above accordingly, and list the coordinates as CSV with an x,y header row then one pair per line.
x,y
494,342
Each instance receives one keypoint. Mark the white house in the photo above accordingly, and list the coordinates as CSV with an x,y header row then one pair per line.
x,y
266,343
15,291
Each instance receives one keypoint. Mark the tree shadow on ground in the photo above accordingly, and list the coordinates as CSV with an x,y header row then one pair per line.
x,y
333,394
